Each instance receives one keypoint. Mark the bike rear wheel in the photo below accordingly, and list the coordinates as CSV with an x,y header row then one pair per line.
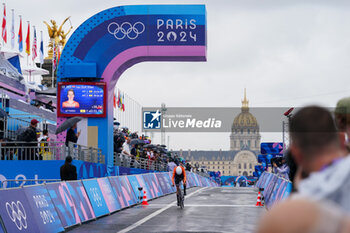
x,y
182,204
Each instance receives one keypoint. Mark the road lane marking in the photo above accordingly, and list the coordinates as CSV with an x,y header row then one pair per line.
x,y
142,221
198,205
221,205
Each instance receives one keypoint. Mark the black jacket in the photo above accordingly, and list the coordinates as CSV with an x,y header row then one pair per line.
x,y
68,172
71,136
29,135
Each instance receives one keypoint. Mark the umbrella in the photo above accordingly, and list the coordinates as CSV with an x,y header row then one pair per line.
x,y
34,71
141,141
68,124
163,151
136,141
3,113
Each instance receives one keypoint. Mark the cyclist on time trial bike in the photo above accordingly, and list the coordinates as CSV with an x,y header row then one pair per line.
x,y
179,175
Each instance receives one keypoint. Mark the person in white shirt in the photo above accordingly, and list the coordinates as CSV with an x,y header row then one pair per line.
x,y
171,165
126,149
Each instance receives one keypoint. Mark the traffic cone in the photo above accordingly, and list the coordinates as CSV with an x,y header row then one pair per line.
x,y
258,201
144,201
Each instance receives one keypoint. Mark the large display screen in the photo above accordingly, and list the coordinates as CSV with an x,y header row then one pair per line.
x,y
86,99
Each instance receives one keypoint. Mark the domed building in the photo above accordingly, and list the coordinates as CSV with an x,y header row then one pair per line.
x,y
245,130
241,159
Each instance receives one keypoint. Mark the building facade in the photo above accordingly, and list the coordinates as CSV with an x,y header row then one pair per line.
x,y
244,148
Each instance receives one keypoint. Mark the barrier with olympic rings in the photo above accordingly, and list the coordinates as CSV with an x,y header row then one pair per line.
x,y
55,206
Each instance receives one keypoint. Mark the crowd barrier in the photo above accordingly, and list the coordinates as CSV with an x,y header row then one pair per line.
x,y
22,171
52,207
275,188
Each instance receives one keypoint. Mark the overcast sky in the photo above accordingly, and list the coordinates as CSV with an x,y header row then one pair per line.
x,y
285,53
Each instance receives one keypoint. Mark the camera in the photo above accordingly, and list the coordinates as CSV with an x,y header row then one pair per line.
x,y
277,161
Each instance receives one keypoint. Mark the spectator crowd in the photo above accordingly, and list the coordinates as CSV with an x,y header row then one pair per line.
x,y
131,148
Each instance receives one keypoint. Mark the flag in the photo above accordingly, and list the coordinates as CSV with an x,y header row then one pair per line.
x,y
54,56
4,31
28,40
123,105
34,47
114,100
13,30
118,102
20,37
41,52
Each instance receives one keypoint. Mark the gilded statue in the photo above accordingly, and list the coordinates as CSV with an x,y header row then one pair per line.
x,y
56,35
63,35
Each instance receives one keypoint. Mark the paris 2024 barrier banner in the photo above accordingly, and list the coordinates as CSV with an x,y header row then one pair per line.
x,y
55,206
275,188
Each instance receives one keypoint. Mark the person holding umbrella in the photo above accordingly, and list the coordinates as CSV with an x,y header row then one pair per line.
x,y
71,135
70,124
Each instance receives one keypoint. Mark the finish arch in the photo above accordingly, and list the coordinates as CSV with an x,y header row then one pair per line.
x,y
110,42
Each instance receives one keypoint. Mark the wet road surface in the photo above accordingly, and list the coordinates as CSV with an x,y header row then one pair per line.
x,y
206,210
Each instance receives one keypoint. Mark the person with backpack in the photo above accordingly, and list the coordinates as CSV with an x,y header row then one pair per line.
x,y
30,139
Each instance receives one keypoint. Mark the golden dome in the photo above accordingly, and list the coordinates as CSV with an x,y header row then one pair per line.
x,y
245,120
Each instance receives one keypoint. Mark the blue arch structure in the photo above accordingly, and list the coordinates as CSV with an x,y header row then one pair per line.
x,y
242,178
110,42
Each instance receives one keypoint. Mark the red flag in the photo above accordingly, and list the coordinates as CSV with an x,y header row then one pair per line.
x,y
4,31
114,101
28,40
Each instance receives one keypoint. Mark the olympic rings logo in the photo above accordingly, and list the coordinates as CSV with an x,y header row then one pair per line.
x,y
96,197
17,214
126,29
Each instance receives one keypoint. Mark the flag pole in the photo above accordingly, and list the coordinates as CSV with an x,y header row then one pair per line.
x,y
41,54
53,76
53,71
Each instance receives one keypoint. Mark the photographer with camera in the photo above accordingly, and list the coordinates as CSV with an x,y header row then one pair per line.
x,y
280,167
